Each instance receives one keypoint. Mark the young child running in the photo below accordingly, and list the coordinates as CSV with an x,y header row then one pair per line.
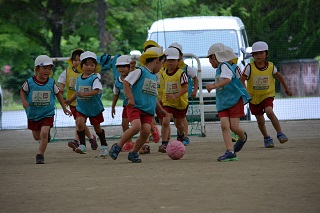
x,y
38,95
141,90
89,104
193,84
174,82
123,67
261,87
67,80
231,96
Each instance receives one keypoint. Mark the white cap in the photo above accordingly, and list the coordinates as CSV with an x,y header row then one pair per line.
x,y
88,54
259,46
215,48
176,45
225,55
123,60
43,60
158,50
172,53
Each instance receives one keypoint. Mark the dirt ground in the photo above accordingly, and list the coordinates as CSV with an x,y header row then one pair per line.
x,y
283,179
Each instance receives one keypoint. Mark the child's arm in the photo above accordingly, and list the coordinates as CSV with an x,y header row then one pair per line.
x,y
221,83
90,93
195,87
282,81
25,103
243,78
128,92
114,102
162,111
61,101
61,86
69,101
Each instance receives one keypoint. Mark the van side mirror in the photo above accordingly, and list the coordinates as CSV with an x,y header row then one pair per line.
x,y
246,52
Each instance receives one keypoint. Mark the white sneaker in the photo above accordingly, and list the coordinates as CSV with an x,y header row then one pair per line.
x,y
103,151
81,149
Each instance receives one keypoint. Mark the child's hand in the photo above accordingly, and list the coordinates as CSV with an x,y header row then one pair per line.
x,y
193,94
288,92
170,96
67,112
25,104
210,87
67,102
163,112
130,102
80,94
113,112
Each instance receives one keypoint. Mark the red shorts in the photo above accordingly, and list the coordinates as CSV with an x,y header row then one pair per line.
x,y
134,113
74,111
124,112
36,125
258,109
237,111
93,120
177,113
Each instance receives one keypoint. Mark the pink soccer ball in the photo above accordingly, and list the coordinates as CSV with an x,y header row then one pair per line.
x,y
175,150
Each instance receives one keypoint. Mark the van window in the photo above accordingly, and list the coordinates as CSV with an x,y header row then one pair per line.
x,y
198,41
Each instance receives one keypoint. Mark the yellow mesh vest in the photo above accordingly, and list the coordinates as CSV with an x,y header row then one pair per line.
x,y
71,80
261,84
172,85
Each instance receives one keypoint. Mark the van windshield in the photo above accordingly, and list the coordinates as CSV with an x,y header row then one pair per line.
x,y
197,41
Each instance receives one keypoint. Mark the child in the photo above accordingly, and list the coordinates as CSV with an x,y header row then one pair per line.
x,y
263,91
38,99
141,90
89,105
67,80
193,84
174,82
230,98
123,67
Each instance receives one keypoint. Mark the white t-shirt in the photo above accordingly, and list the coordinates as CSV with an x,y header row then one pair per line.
x,y
63,77
191,72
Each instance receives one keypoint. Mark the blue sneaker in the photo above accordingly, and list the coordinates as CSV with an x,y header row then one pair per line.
x,y
134,157
268,142
186,141
114,151
228,156
282,137
239,145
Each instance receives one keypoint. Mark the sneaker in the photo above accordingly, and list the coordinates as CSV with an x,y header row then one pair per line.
x,y
134,157
103,151
238,146
268,142
81,149
228,156
155,134
234,136
282,137
73,144
39,159
114,151
145,149
127,146
162,148
180,137
186,141
93,142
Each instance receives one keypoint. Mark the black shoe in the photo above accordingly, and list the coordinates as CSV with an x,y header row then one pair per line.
x,y
39,159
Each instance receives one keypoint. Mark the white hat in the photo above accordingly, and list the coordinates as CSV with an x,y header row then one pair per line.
x,y
225,55
88,54
259,46
215,48
172,53
158,50
123,60
176,45
43,60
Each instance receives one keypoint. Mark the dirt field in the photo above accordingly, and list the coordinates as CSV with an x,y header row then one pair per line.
x,y
283,179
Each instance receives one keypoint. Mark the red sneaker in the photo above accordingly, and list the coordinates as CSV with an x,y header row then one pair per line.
x,y
155,134
127,146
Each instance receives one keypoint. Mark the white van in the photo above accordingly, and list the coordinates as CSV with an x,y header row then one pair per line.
x,y
196,35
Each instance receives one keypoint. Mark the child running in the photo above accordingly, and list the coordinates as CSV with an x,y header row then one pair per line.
x,y
89,104
38,95
259,75
141,90
67,80
230,98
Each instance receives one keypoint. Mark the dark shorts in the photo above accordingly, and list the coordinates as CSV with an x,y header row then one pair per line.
x,y
259,109
36,125
93,120
237,111
134,113
177,113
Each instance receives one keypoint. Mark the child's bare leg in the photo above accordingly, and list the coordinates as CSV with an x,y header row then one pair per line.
x,y
129,133
235,127
186,127
165,129
144,134
87,131
262,125
273,118
225,127
179,123
42,135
